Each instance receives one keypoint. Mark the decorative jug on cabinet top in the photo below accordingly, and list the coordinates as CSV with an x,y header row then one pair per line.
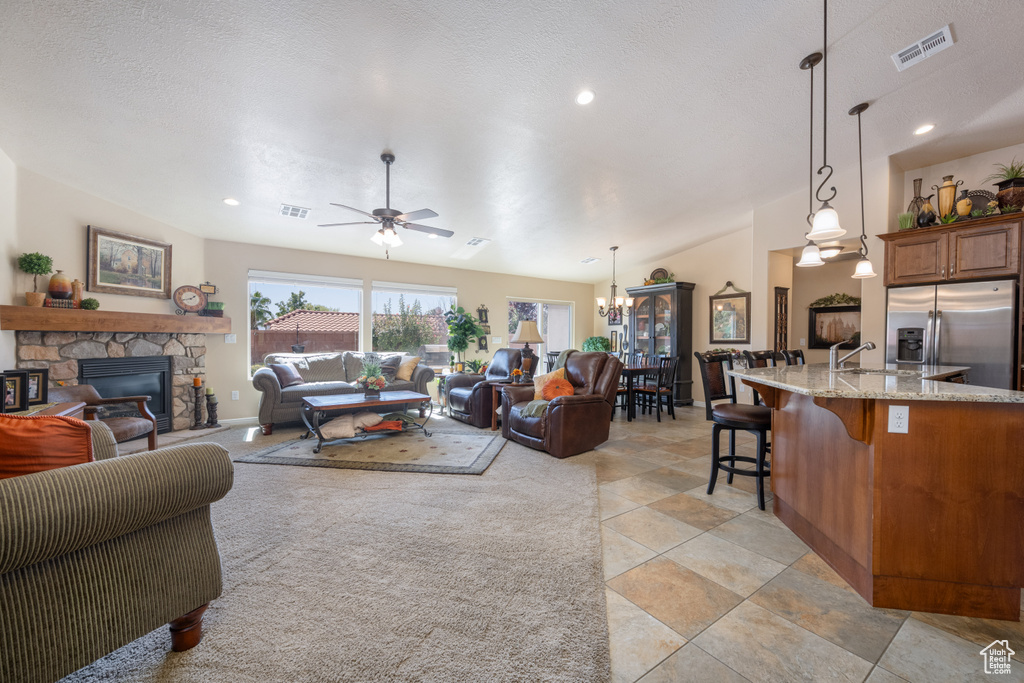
x,y
947,194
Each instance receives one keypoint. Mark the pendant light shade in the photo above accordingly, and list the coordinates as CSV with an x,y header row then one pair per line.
x,y
864,269
826,224
810,257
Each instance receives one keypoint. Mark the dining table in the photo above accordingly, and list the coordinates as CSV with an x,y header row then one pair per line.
x,y
630,372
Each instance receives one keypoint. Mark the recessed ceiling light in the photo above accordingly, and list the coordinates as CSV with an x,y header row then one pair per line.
x,y
231,201
585,97
924,129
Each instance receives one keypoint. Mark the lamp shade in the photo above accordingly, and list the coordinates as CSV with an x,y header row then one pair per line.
x,y
826,224
527,333
864,269
810,257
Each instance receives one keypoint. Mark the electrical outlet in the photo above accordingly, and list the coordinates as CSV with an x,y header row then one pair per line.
x,y
899,419
234,395
495,340
803,341
743,388
230,339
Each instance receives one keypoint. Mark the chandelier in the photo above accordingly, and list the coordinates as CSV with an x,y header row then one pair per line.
x,y
618,303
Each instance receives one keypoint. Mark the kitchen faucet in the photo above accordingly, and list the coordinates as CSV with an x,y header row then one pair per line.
x,y
835,365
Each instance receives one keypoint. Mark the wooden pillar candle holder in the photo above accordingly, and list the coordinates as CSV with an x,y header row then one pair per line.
x,y
211,411
198,419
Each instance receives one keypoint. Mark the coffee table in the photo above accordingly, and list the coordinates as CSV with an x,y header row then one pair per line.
x,y
315,408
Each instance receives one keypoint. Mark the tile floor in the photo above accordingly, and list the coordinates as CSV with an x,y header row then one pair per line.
x,y
709,588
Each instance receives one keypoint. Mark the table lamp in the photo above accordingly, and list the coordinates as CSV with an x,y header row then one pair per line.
x,y
527,333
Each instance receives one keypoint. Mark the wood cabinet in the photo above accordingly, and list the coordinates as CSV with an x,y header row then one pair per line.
x,y
661,324
979,250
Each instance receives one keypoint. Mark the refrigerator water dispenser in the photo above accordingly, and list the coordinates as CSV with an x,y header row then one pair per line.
x,y
910,345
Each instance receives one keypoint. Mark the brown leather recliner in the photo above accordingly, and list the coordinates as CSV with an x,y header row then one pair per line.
x,y
569,424
469,397
124,428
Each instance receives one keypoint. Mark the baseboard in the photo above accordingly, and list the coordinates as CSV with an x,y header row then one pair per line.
x,y
241,421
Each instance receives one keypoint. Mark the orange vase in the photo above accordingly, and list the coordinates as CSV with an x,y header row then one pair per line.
x,y
60,286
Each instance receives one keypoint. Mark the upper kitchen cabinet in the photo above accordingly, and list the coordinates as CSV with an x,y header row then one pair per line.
x,y
980,250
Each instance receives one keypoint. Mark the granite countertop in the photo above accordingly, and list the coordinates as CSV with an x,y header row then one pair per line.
x,y
921,384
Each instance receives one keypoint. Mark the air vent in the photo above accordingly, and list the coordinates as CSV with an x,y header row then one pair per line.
x,y
590,259
294,211
477,242
923,49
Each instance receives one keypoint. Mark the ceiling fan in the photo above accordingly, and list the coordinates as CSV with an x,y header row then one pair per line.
x,y
388,218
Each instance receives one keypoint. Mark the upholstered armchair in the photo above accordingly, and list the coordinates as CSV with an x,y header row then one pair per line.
x,y
569,424
469,397
123,428
96,555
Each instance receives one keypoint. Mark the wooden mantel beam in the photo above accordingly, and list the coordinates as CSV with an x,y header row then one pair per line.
x,y
77,320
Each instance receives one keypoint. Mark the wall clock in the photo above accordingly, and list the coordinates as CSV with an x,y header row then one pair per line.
x,y
189,299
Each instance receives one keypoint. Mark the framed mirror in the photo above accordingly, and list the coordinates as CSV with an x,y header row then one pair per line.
x,y
730,318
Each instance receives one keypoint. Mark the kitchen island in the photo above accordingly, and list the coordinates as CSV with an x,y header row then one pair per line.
x,y
931,519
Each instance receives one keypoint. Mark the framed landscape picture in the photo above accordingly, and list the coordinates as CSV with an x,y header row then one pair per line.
x,y
15,384
832,324
38,386
730,318
124,264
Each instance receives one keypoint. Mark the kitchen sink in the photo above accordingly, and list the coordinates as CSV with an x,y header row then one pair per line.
x,y
879,371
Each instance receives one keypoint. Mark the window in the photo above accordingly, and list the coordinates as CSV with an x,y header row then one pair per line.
x,y
554,320
410,318
313,312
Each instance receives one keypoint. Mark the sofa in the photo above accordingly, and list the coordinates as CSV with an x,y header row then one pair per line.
x,y
569,424
469,396
96,555
323,374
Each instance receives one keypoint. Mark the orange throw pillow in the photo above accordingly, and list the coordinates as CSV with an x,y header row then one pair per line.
x,y
36,443
556,388
540,380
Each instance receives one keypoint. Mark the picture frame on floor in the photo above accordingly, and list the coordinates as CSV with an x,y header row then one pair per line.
x,y
15,384
118,263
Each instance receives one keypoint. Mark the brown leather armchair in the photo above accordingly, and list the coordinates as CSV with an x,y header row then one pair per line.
x,y
569,424
124,428
469,397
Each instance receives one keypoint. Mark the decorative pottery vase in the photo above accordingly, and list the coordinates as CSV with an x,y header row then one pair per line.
x,y
927,215
369,392
918,201
60,286
964,206
35,298
947,195
77,287
1011,193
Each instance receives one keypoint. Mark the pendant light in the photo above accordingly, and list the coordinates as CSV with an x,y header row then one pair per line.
x,y
864,269
825,225
811,256
613,303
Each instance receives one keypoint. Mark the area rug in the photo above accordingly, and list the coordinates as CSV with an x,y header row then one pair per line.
x,y
349,576
444,452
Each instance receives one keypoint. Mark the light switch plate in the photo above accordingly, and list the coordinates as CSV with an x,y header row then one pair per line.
x,y
230,339
899,419
803,341
495,340
234,395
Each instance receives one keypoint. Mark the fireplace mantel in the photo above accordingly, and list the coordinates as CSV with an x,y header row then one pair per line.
x,y
76,320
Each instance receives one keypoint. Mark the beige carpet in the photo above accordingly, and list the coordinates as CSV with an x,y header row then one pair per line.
x,y
448,450
350,575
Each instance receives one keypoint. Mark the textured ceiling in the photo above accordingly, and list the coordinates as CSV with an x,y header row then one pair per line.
x,y
168,107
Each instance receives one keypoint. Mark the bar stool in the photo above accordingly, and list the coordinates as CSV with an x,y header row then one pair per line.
x,y
793,357
760,359
733,416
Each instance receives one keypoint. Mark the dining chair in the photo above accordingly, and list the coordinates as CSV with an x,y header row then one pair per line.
x,y
733,417
662,389
550,358
793,356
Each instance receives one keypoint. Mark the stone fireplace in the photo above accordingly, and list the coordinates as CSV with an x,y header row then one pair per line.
x,y
60,353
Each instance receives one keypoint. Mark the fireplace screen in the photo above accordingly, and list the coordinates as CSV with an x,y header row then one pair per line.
x,y
145,376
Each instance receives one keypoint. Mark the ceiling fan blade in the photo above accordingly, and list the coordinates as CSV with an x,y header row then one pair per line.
x,y
353,209
335,225
441,232
417,215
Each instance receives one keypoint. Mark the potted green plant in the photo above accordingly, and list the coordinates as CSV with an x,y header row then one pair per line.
x,y
372,380
1009,178
597,344
35,264
462,329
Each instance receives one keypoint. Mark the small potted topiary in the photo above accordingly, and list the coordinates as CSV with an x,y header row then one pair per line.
x,y
597,344
89,304
35,264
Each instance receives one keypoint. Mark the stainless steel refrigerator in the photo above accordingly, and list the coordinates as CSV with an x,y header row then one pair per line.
x,y
964,323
